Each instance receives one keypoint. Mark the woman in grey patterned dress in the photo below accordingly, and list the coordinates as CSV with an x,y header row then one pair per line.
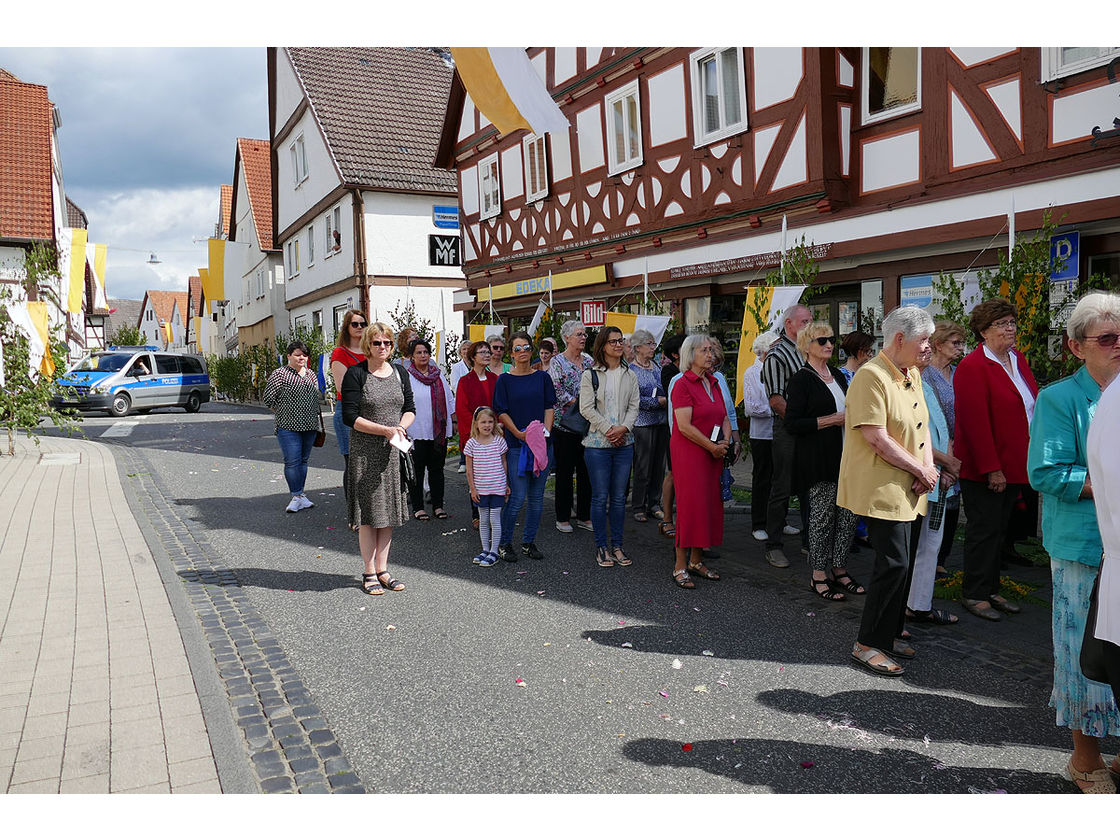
x,y
377,404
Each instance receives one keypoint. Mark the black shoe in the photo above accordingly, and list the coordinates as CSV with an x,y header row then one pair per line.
x,y
708,554
531,551
506,553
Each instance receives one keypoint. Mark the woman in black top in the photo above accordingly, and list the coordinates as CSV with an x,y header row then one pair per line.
x,y
292,392
377,404
815,399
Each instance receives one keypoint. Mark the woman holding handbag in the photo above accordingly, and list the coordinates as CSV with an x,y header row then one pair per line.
x,y
377,405
292,392
566,370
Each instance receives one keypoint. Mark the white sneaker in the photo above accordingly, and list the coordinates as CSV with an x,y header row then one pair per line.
x,y
587,526
295,504
564,527
791,531
462,468
305,502
760,535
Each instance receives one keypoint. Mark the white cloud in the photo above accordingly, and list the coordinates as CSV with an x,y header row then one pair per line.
x,y
137,223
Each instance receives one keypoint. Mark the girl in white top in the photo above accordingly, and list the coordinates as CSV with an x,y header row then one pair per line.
x,y
486,476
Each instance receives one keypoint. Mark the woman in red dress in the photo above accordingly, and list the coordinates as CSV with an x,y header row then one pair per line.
x,y
475,389
698,410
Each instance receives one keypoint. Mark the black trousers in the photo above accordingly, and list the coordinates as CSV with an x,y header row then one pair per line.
x,y
884,606
949,530
988,514
567,449
762,468
651,443
428,456
781,450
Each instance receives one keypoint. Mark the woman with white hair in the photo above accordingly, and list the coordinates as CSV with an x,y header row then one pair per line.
x,y
699,442
1058,468
651,430
567,370
756,405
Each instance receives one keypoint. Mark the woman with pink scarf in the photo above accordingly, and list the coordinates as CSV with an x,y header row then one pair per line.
x,y
435,407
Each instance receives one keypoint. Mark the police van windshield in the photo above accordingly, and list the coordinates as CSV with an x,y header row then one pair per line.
x,y
111,362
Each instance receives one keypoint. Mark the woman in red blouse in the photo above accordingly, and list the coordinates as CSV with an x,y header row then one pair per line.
x,y
994,393
698,411
347,352
475,389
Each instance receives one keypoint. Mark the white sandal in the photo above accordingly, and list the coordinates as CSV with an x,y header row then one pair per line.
x,y
1099,781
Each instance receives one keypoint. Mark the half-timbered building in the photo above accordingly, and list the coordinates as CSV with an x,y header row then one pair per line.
x,y
680,165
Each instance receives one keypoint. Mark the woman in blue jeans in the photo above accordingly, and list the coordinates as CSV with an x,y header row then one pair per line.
x,y
525,401
608,398
292,392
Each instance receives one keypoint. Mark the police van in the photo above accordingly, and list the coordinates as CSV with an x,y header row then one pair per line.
x,y
123,379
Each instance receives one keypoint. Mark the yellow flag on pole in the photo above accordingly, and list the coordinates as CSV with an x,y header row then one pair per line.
x,y
96,256
77,270
770,302
216,252
504,86
37,309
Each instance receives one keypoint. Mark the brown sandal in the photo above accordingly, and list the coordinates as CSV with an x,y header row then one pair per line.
x,y
682,579
703,571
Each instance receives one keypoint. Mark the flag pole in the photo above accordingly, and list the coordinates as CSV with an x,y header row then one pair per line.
x,y
1011,231
645,289
550,290
783,261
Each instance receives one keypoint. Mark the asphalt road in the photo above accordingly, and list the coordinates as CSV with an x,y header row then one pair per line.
x,y
559,676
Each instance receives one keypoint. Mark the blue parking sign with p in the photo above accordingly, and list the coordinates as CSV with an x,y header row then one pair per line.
x,y
1065,254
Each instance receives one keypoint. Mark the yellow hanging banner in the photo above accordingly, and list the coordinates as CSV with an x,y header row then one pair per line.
x,y
77,271
37,309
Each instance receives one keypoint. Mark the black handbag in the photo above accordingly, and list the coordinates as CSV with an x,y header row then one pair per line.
x,y
1094,655
408,466
321,435
575,423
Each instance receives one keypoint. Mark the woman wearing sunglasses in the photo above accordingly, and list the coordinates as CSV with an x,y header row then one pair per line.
x,y
347,352
815,401
1058,467
377,404
525,400
994,393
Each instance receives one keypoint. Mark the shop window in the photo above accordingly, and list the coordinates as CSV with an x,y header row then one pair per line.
x,y
892,82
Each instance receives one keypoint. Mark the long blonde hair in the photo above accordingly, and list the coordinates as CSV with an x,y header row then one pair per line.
x,y
478,412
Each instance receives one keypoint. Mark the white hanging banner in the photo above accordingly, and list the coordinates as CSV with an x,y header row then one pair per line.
x,y
537,317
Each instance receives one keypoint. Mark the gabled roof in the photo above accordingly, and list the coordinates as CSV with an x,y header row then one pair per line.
x,y
26,122
75,215
381,110
163,304
194,290
127,314
227,205
256,164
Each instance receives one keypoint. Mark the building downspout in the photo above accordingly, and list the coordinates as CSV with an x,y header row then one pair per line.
x,y
360,251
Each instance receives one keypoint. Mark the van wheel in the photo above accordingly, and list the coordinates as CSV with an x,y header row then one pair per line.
x,y
121,404
194,403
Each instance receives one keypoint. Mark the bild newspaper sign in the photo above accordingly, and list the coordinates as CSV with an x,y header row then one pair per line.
x,y
593,313
443,250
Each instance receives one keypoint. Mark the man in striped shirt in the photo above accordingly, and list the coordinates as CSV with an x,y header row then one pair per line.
x,y
782,362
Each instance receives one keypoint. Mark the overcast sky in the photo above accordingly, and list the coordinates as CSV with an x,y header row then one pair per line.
x,y
147,137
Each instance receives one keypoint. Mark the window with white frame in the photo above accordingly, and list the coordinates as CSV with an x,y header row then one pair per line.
x,y
293,257
299,160
719,94
489,188
317,319
260,283
891,82
536,167
1058,62
311,245
300,322
624,129
332,227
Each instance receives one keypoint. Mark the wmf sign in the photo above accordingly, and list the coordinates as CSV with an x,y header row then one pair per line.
x,y
444,250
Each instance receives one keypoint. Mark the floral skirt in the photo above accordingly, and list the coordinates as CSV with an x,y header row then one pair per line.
x,y
1080,703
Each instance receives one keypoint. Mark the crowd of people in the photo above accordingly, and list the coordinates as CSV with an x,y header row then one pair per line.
x,y
886,448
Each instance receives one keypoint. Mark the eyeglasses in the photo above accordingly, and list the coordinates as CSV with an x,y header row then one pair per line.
x,y
497,348
386,343
1104,339
522,348
579,335
616,341
359,324
822,340
1004,323
485,351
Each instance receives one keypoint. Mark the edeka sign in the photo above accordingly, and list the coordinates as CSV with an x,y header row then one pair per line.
x,y
446,217
540,285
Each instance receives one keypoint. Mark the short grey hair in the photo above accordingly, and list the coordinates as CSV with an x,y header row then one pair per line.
x,y
763,342
1094,307
691,344
912,321
642,337
569,327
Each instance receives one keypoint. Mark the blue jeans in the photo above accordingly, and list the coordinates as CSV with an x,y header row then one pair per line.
x,y
341,431
296,447
609,471
523,488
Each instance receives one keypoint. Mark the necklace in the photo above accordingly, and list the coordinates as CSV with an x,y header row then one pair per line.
x,y
821,375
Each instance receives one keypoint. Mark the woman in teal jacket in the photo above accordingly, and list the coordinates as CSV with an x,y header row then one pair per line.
x,y
1057,466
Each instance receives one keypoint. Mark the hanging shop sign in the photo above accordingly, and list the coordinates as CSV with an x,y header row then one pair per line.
x,y
593,313
443,250
446,217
